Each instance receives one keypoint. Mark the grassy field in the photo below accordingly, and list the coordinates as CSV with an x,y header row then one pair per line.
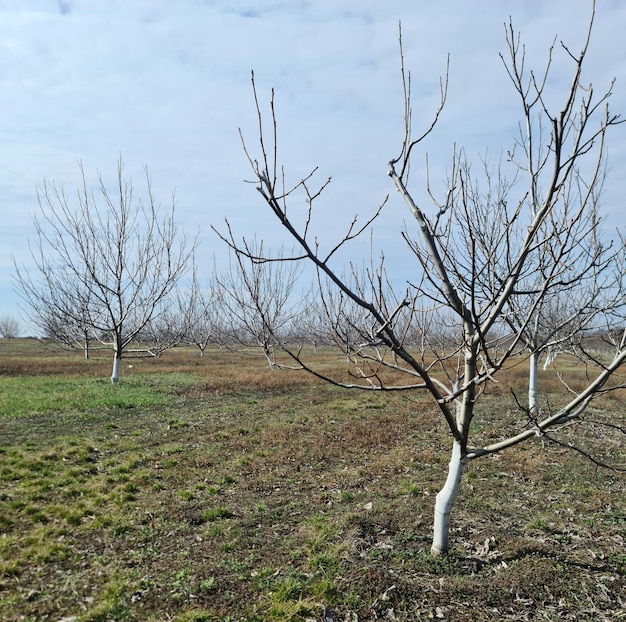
x,y
216,490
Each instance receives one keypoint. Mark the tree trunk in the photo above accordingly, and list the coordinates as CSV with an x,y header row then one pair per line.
x,y
269,356
445,500
533,395
115,376
552,352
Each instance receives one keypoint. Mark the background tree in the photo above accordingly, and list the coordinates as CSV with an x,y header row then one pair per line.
x,y
202,308
9,327
259,298
166,330
105,264
568,283
71,332
472,276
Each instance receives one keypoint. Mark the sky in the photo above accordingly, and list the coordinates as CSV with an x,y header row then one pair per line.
x,y
166,85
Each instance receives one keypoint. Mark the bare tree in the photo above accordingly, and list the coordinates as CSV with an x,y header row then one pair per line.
x,y
104,267
259,298
9,327
70,332
202,310
329,321
164,331
569,282
487,266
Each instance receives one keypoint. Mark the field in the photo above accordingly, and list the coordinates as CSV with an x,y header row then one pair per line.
x,y
215,489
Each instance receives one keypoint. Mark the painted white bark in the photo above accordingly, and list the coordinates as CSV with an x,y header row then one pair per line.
x,y
115,375
533,391
552,352
445,500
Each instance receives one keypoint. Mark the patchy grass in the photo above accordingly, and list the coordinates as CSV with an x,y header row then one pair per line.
x,y
49,394
214,490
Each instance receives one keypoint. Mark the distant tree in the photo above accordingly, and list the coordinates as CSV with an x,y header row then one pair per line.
x,y
259,298
71,332
9,327
312,327
105,264
201,307
488,268
163,332
563,291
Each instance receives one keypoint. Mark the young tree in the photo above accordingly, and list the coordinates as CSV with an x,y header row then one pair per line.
x,y
488,266
71,332
163,332
329,320
258,298
9,327
201,309
567,287
103,267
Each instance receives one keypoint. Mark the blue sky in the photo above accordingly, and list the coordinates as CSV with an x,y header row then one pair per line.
x,y
167,85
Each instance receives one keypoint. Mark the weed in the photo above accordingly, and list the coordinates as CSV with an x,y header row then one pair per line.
x,y
412,489
199,616
538,523
286,601
216,513
179,584
206,585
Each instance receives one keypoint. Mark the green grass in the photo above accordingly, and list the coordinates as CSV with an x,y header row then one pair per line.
x,y
21,396
228,492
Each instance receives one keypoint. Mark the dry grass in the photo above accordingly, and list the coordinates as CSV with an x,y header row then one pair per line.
x,y
222,491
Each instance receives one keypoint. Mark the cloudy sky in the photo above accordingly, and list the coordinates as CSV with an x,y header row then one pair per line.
x,y
167,85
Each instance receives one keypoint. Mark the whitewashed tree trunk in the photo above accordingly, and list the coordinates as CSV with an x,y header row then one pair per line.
x,y
269,355
115,375
552,352
533,391
445,500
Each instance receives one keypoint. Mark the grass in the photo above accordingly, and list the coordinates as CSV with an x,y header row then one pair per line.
x,y
214,490
53,395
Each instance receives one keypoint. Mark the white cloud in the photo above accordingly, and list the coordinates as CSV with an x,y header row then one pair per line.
x,y
168,85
